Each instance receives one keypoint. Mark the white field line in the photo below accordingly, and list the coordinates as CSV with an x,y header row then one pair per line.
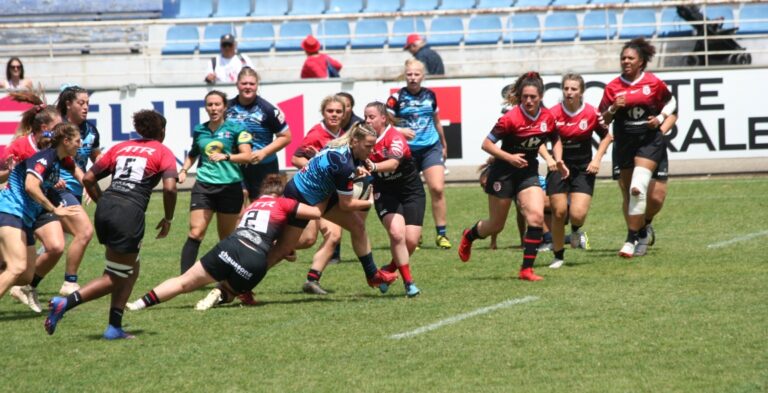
x,y
461,317
738,239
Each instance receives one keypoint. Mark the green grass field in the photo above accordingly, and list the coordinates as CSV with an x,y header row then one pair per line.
x,y
685,318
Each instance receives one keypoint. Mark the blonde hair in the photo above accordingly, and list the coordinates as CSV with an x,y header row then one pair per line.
x,y
414,62
358,132
329,99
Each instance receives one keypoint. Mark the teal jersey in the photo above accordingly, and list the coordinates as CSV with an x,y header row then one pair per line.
x,y
225,140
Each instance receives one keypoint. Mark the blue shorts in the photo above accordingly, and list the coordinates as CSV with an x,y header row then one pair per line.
x,y
9,220
428,156
64,196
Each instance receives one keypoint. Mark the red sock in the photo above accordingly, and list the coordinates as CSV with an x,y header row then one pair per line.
x,y
405,271
391,268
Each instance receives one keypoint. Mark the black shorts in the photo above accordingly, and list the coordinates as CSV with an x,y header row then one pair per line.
x,y
221,198
578,181
253,175
410,205
232,261
44,219
505,181
651,146
661,173
119,224
9,220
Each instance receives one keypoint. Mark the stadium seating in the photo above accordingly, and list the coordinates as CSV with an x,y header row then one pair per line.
x,y
672,25
483,30
233,8
257,37
195,8
457,4
270,8
307,7
638,23
419,5
447,30
560,26
494,3
599,25
181,40
344,7
333,34
570,2
212,36
402,27
291,35
721,11
522,28
383,6
753,19
532,3
370,33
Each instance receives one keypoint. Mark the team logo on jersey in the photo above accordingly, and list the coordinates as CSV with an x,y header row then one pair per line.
x,y
497,186
214,147
279,115
583,124
244,137
543,127
647,90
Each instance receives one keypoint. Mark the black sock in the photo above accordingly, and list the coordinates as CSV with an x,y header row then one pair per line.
x,y
150,299
473,233
575,228
337,252
547,237
441,230
73,300
369,267
116,317
631,236
643,232
560,254
531,244
70,277
35,281
189,254
314,275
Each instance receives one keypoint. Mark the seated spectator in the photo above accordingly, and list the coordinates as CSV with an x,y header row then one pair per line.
x,y
225,66
419,49
318,65
14,76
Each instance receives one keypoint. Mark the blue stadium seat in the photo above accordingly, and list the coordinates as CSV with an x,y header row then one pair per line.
x,y
457,4
532,3
598,25
370,33
483,30
291,35
749,22
570,2
637,23
718,11
345,7
672,25
494,3
560,26
257,37
382,6
307,7
522,28
181,40
212,37
608,1
447,30
403,27
419,5
270,8
333,34
233,8
195,8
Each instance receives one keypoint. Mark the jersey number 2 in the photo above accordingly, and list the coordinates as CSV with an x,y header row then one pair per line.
x,y
257,220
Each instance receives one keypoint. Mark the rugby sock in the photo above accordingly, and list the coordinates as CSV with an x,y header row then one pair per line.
x,y
405,271
531,243
70,277
631,236
575,228
473,233
35,281
391,267
314,275
337,252
150,299
441,231
643,232
116,317
369,267
73,300
547,238
189,254
560,254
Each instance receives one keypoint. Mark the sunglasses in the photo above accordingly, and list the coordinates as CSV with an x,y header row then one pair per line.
x,y
15,67
227,45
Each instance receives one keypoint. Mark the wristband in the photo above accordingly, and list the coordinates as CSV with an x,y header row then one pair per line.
x,y
373,167
227,159
611,110
661,118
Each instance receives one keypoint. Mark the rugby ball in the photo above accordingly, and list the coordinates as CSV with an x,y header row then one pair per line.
x,y
361,187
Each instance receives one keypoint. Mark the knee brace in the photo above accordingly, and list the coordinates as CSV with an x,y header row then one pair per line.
x,y
641,178
118,269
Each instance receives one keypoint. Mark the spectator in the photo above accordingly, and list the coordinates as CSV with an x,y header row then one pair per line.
x,y
14,76
419,49
225,66
318,65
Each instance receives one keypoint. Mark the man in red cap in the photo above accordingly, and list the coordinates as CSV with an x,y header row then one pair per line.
x,y
419,49
318,65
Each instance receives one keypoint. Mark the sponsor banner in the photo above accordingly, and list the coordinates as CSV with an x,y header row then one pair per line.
x,y
720,112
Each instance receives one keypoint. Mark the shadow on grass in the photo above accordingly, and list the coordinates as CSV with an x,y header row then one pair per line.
x,y
19,315
138,333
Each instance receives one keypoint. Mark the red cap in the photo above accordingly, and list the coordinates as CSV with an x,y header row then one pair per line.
x,y
412,38
310,44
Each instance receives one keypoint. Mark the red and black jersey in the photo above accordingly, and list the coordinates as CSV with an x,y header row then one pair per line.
x,y
575,131
644,97
264,220
317,137
136,167
393,145
520,132
20,149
